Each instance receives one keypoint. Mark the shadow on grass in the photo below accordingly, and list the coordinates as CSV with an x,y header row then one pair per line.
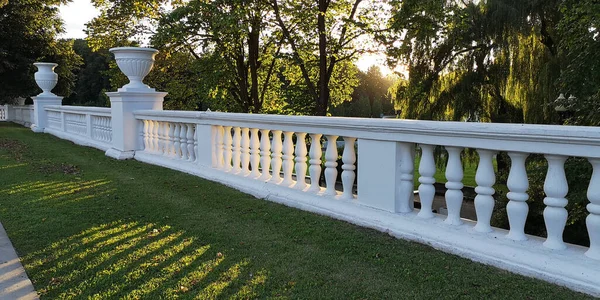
x,y
130,260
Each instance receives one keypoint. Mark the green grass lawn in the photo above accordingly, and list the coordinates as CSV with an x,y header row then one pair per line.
x,y
87,226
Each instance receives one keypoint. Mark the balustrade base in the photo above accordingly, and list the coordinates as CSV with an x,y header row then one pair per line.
x,y
36,129
529,258
77,139
119,155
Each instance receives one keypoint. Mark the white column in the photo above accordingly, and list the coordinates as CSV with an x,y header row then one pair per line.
x,y
517,207
245,151
227,149
426,189
254,153
183,141
406,184
200,145
276,157
191,152
315,162
593,219
265,154
555,214
220,146
46,79
174,133
288,158
331,155
454,194
213,142
237,150
88,126
155,138
348,175
147,133
484,202
301,166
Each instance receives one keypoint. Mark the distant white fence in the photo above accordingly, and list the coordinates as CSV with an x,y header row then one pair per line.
x,y
88,126
22,114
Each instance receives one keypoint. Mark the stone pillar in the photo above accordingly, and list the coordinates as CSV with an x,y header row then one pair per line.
x,y
46,79
135,63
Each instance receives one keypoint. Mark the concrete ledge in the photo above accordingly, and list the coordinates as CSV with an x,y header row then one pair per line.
x,y
79,140
14,283
569,268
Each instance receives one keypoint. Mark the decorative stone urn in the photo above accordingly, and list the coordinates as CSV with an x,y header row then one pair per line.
x,y
45,77
135,63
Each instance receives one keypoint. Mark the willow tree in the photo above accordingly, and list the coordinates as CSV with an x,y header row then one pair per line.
x,y
490,60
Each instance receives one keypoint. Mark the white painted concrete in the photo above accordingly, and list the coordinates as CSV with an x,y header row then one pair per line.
x,y
14,283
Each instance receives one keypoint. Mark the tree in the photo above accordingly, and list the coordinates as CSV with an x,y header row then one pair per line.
x,y
339,24
28,31
92,77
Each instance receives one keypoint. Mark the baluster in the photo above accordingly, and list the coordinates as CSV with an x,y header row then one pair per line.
x,y
237,150
331,155
484,202
220,138
288,158
301,166
555,214
191,141
227,148
517,207
454,194
156,137
161,137
426,189
245,151
183,141
405,200
348,175
276,157
254,153
265,154
213,144
175,129
593,219
171,139
315,162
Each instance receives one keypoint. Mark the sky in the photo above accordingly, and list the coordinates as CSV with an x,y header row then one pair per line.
x,y
78,12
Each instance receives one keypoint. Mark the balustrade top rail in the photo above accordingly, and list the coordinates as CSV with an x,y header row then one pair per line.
x,y
99,111
545,139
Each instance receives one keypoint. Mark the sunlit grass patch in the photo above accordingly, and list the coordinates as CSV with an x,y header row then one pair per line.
x,y
112,229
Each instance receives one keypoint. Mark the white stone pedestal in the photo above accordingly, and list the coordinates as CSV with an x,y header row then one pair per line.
x,y
125,127
39,102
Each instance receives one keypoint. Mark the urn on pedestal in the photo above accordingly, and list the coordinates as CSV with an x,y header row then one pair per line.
x,y
45,77
135,63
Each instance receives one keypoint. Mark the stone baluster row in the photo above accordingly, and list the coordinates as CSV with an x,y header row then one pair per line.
x,y
555,188
101,128
280,157
174,140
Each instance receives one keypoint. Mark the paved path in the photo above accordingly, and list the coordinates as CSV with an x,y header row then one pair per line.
x,y
14,283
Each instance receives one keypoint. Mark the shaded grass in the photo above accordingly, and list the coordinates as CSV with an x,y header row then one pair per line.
x,y
101,228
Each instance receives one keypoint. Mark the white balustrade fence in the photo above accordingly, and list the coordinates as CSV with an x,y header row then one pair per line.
x,y
282,158
89,126
22,114
363,171
3,113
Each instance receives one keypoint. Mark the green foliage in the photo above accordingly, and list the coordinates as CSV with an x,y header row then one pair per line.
x,y
92,78
28,31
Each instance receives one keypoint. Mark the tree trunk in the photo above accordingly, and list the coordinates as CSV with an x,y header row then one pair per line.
x,y
253,49
323,100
